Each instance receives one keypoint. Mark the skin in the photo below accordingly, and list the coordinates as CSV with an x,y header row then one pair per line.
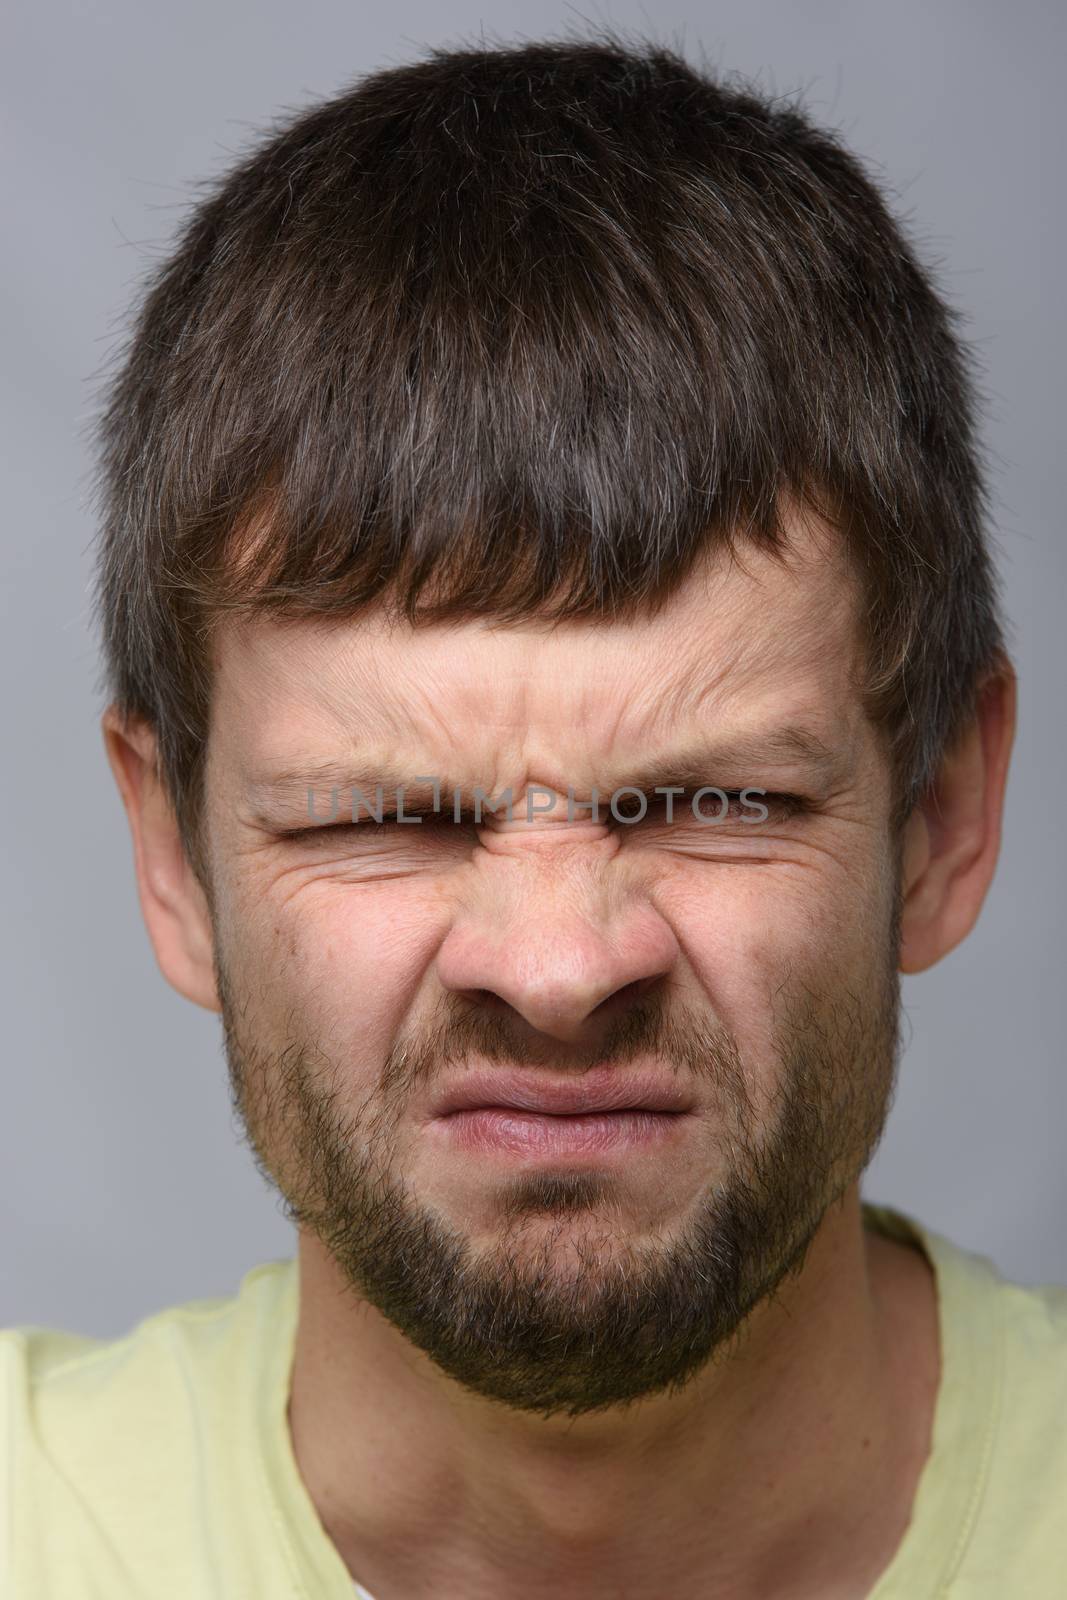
x,y
786,1465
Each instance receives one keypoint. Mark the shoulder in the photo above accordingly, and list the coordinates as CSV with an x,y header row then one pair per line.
x,y
97,1434
1007,1388
998,1475
65,1377
1020,1519
1011,1336
1034,1389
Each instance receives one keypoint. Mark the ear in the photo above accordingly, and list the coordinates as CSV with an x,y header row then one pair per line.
x,y
952,838
173,902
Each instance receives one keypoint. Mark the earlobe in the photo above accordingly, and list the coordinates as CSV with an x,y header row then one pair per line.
x,y
173,902
953,838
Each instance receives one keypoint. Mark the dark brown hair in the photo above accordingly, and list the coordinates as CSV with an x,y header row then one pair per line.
x,y
520,331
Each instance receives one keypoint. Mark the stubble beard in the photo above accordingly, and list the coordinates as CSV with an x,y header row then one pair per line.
x,y
574,1317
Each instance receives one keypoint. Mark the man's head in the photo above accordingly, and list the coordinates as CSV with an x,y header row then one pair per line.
x,y
553,417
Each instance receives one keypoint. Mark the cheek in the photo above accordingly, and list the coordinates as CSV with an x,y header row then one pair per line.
x,y
338,964
757,938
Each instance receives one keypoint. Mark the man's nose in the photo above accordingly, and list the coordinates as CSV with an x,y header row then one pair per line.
x,y
565,973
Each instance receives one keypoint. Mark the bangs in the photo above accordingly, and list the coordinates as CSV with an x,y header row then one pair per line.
x,y
507,368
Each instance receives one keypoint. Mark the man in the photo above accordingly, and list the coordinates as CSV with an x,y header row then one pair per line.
x,y
557,686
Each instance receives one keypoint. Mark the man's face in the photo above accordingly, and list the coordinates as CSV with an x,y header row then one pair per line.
x,y
741,974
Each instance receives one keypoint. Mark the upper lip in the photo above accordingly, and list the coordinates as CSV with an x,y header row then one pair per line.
x,y
597,1090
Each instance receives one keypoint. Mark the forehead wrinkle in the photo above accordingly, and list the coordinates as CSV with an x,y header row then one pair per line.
x,y
803,660
641,686
750,645
690,760
289,675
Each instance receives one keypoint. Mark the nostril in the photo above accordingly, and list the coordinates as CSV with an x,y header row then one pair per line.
x,y
630,991
489,1003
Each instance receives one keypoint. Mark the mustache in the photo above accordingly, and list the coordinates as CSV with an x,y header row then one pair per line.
x,y
685,1041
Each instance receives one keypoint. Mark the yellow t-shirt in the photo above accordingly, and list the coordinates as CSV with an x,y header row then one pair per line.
x,y
158,1466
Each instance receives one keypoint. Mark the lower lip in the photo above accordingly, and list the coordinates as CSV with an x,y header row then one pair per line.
x,y
537,1133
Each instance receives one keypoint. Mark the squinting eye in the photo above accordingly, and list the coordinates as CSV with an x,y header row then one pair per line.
x,y
749,806
746,806
753,806
369,827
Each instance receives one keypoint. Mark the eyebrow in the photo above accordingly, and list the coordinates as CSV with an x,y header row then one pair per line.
x,y
690,768
792,747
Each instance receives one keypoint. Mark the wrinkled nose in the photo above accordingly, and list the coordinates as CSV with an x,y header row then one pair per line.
x,y
567,977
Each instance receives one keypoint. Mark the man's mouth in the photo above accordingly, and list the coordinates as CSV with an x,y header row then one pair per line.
x,y
519,1111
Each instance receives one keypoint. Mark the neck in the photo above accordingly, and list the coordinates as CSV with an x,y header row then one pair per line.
x,y
789,1467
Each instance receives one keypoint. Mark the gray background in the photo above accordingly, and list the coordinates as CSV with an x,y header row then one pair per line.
x,y
124,1185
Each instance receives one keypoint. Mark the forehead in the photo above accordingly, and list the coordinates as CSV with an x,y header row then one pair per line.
x,y
747,639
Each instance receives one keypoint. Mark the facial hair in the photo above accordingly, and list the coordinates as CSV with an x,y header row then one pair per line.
x,y
626,1319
